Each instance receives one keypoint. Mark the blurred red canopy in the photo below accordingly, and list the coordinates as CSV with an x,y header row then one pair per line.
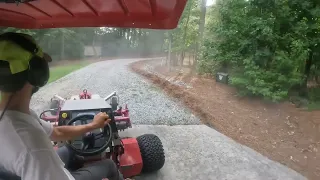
x,y
39,14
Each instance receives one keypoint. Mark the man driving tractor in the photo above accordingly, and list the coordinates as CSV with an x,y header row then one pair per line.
x,y
26,151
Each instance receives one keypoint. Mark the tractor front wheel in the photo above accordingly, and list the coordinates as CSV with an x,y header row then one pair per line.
x,y
152,152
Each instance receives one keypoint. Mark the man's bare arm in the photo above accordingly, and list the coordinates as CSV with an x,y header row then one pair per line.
x,y
63,133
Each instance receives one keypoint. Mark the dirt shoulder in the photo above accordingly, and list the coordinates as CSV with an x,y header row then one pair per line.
x,y
279,131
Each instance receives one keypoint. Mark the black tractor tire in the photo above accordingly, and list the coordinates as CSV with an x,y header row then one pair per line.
x,y
152,152
54,105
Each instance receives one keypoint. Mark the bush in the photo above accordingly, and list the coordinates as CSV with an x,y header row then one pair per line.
x,y
264,45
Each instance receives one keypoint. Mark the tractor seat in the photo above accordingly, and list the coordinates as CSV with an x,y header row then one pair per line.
x,y
6,175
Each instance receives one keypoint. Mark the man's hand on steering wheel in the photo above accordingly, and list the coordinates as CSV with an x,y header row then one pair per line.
x,y
100,120
63,133
90,143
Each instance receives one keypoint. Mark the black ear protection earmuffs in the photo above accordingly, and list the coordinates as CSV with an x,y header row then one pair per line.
x,y
38,72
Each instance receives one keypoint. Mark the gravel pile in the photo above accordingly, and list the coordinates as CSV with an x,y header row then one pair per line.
x,y
150,69
147,103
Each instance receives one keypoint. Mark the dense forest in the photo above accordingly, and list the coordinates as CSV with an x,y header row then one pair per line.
x,y
270,48
69,43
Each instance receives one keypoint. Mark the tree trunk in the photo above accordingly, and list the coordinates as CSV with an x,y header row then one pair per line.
x,y
169,50
94,47
201,30
182,55
163,43
62,55
145,45
304,89
185,34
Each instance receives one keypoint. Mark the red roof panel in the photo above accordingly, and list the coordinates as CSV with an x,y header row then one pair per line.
x,y
154,14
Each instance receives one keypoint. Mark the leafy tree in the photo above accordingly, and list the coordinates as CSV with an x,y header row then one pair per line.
x,y
268,47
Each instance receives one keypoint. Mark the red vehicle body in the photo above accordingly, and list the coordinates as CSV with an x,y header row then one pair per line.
x,y
130,163
127,156
127,153
121,114
39,14
85,95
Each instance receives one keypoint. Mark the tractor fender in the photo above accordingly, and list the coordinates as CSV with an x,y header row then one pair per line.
x,y
131,161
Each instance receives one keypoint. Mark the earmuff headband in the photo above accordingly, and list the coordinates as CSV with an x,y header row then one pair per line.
x,y
21,41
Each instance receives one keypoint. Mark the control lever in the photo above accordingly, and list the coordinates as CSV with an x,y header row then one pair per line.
x,y
110,95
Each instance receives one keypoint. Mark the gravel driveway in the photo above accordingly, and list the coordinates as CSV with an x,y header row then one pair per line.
x,y
193,151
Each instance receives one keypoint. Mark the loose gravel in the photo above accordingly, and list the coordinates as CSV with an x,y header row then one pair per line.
x,y
192,152
147,104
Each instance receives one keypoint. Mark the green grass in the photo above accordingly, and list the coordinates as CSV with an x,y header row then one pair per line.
x,y
314,96
60,71
313,106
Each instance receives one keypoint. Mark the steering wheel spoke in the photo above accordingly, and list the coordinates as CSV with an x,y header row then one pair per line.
x,y
84,146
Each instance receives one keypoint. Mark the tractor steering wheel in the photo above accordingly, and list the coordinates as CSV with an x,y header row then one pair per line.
x,y
92,143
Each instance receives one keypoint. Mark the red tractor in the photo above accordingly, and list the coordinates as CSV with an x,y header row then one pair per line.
x,y
121,115
132,155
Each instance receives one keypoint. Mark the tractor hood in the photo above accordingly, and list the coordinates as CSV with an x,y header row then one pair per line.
x,y
40,14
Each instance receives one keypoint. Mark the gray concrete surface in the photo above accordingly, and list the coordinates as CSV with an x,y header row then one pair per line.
x,y
193,151
198,152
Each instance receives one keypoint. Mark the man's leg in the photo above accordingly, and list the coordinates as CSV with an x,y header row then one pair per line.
x,y
65,155
95,171
98,171
69,158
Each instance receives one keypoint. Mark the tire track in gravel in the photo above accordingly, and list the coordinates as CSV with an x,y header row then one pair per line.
x,y
146,103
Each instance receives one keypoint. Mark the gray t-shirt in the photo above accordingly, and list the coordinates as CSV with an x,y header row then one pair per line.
x,y
26,149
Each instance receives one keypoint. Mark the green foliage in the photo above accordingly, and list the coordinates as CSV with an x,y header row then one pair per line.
x,y
69,43
314,106
264,45
314,94
269,48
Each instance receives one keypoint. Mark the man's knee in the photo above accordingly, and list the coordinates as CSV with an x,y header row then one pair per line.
x,y
107,164
109,167
99,170
64,154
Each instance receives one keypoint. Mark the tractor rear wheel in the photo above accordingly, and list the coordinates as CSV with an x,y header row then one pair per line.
x,y
54,105
152,152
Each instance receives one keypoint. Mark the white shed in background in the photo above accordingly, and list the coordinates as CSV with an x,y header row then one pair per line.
x,y
90,50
